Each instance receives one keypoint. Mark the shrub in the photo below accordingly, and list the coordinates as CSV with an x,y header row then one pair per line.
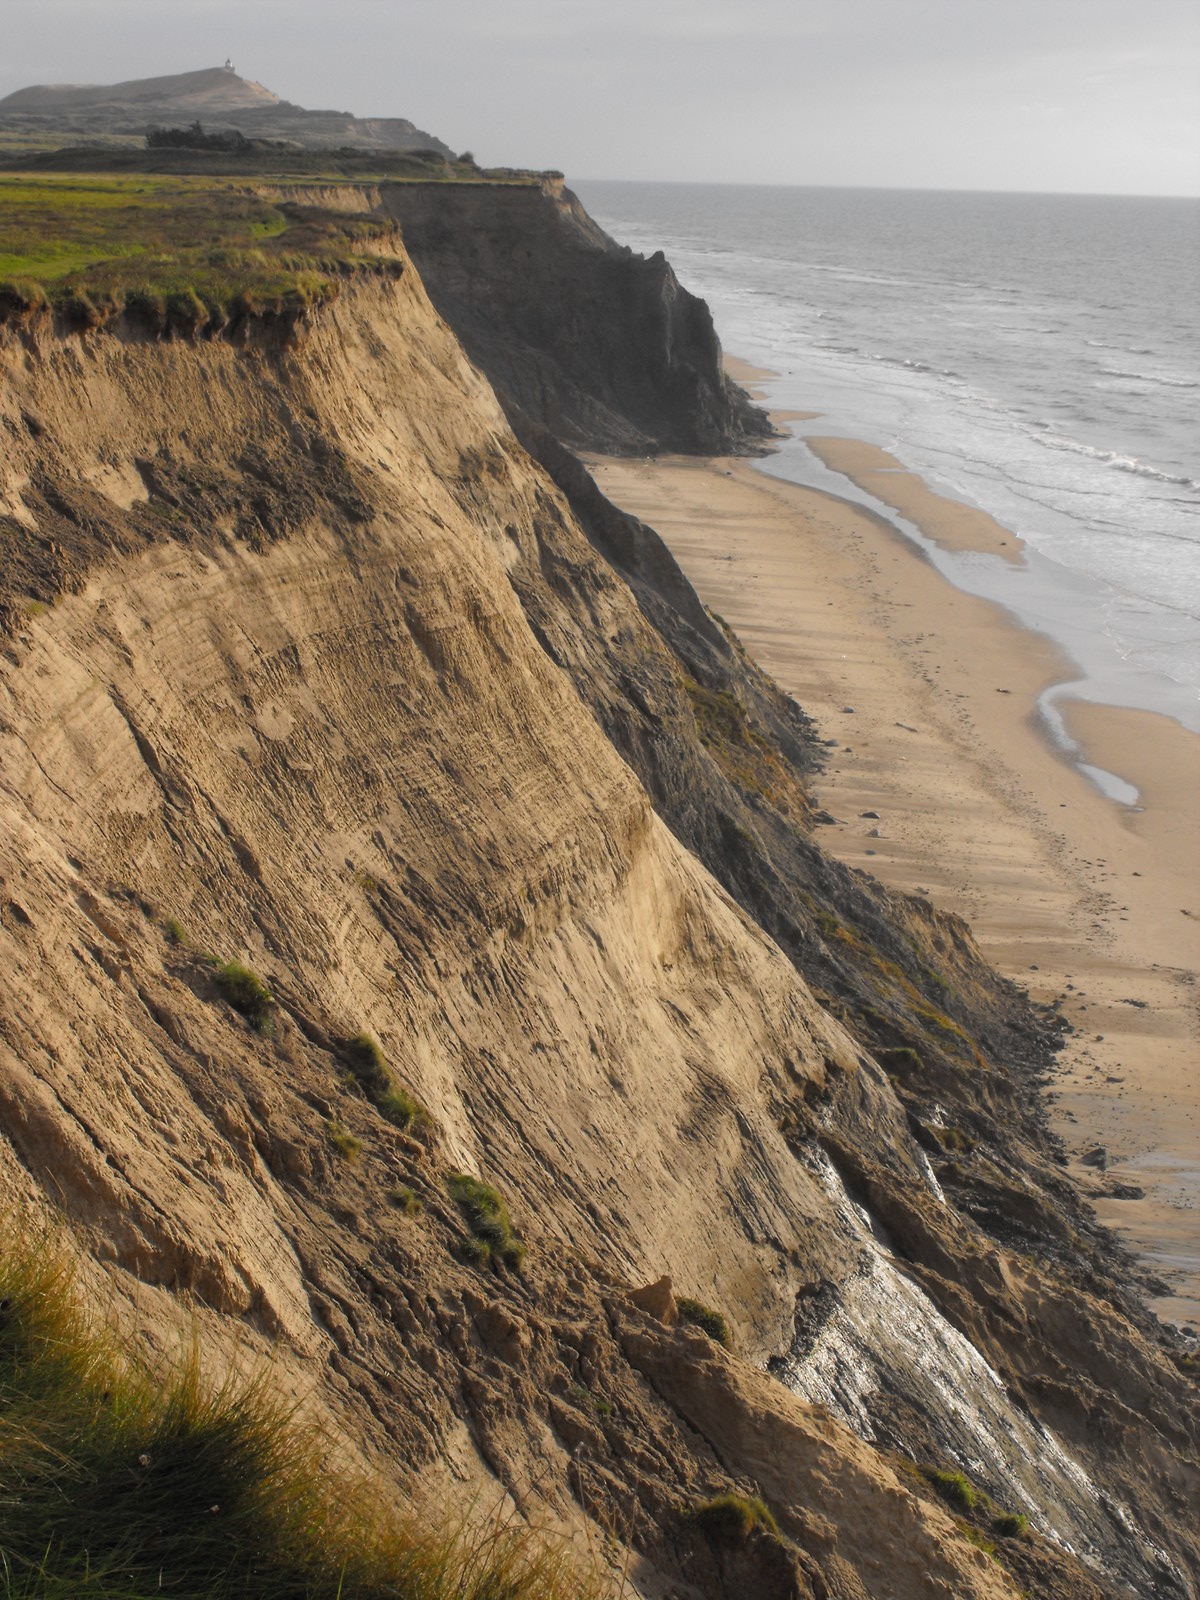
x,y
705,1318
246,992
731,1518
491,1237
174,931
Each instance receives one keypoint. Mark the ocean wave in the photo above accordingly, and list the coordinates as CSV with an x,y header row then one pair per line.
x,y
907,364
1119,463
1151,377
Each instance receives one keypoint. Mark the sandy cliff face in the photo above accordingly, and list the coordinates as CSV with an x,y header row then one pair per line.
x,y
308,656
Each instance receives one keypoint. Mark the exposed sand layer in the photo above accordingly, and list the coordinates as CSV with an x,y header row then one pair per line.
x,y
930,694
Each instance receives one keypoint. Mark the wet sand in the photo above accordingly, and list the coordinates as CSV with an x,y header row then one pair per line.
x,y
931,694
948,523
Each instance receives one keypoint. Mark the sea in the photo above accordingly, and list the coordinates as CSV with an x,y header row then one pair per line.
x,y
1034,355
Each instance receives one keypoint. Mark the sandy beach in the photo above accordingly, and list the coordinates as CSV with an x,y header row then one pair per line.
x,y
931,694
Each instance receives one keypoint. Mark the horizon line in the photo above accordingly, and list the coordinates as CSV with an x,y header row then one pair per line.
x,y
900,188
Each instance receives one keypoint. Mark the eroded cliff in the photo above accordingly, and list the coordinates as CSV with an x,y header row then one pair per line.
x,y
602,346
311,665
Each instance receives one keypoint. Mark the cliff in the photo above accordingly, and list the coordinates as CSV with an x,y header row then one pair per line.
x,y
310,663
603,347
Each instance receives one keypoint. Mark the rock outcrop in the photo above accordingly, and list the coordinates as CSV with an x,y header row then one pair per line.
x,y
311,664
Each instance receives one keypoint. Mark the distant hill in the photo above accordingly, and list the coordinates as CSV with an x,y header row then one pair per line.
x,y
213,89
217,96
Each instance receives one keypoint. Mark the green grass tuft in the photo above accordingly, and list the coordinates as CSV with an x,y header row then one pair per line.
x,y
399,1108
342,1140
955,1488
491,1238
1010,1524
705,1318
405,1200
246,992
369,1069
366,1061
731,1518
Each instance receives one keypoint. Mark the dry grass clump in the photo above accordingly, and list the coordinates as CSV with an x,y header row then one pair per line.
x,y
119,1482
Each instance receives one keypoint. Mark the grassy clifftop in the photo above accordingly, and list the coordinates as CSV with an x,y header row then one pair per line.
x,y
177,249
188,239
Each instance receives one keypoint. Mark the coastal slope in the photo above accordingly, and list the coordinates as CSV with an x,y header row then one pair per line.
x,y
320,671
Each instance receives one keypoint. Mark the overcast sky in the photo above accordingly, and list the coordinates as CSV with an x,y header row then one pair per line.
x,y
1068,95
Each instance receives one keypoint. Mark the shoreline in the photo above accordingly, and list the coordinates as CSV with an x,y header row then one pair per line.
x,y
932,694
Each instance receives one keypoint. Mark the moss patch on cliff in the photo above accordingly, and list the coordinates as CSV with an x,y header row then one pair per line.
x,y
180,253
746,757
